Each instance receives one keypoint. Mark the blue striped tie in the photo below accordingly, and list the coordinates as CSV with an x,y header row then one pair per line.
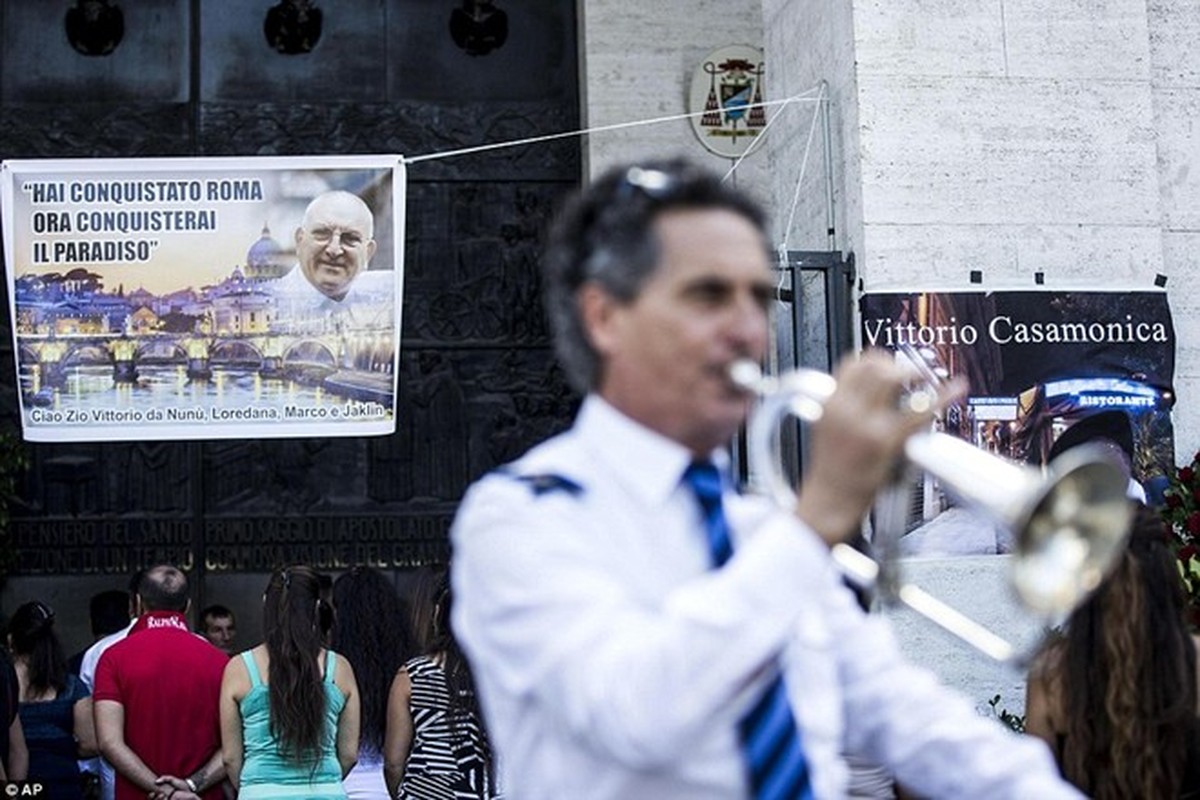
x,y
770,738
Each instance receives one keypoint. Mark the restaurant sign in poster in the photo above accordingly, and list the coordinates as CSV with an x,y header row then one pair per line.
x,y
205,298
1039,362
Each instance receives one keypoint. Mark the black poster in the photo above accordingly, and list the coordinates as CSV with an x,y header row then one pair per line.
x,y
1041,362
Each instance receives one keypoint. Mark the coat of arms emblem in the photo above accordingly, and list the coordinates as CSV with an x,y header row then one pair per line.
x,y
726,99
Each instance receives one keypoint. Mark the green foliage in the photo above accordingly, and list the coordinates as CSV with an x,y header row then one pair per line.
x,y
1013,721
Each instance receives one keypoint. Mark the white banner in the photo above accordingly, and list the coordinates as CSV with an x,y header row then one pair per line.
x,y
205,298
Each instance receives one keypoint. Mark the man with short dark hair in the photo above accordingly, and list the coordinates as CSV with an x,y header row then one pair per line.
x,y
109,613
156,698
218,626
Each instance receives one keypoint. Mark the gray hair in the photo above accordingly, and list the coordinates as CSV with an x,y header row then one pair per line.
x,y
605,235
344,200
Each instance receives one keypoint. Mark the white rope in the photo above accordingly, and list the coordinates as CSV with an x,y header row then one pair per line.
x,y
783,245
762,137
601,128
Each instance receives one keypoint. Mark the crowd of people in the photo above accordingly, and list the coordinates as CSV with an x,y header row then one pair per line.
x,y
154,708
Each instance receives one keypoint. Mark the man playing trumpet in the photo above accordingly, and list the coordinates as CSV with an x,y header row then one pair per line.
x,y
639,630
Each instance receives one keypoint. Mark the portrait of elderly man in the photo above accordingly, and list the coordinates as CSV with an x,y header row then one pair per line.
x,y
326,290
334,242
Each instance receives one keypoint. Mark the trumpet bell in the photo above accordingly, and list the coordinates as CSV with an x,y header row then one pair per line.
x,y
1075,533
1069,524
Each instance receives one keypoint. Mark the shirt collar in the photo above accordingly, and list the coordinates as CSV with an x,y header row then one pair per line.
x,y
297,285
648,464
159,619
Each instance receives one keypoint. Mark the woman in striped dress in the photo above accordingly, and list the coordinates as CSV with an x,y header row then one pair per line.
x,y
436,747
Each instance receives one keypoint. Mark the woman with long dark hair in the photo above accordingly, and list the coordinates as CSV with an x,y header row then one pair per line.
x,y
371,629
422,589
289,707
1115,697
55,707
436,746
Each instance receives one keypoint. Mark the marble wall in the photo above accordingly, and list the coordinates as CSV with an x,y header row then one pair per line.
x,y
637,65
1174,52
1012,137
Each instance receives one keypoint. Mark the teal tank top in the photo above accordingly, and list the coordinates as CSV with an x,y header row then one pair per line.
x,y
265,772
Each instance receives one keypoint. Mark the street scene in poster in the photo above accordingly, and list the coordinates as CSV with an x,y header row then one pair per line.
x,y
1039,363
205,298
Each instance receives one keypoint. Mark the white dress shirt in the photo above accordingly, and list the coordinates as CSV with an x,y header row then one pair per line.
x,y
369,304
613,662
87,674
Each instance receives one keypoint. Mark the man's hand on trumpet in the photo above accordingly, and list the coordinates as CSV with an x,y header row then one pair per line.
x,y
859,439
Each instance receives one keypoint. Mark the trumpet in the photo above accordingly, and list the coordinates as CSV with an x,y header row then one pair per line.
x,y
1070,524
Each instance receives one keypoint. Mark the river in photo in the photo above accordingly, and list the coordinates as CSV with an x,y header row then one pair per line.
x,y
157,386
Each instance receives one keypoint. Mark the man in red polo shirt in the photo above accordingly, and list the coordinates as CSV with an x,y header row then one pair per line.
x,y
156,698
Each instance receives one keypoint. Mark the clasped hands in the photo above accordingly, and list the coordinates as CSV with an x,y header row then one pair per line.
x,y
172,787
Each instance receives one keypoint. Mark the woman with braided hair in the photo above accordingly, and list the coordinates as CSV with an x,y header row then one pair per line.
x,y
290,707
1115,696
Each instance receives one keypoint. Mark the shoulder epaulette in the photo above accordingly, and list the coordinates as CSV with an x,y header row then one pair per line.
x,y
545,483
